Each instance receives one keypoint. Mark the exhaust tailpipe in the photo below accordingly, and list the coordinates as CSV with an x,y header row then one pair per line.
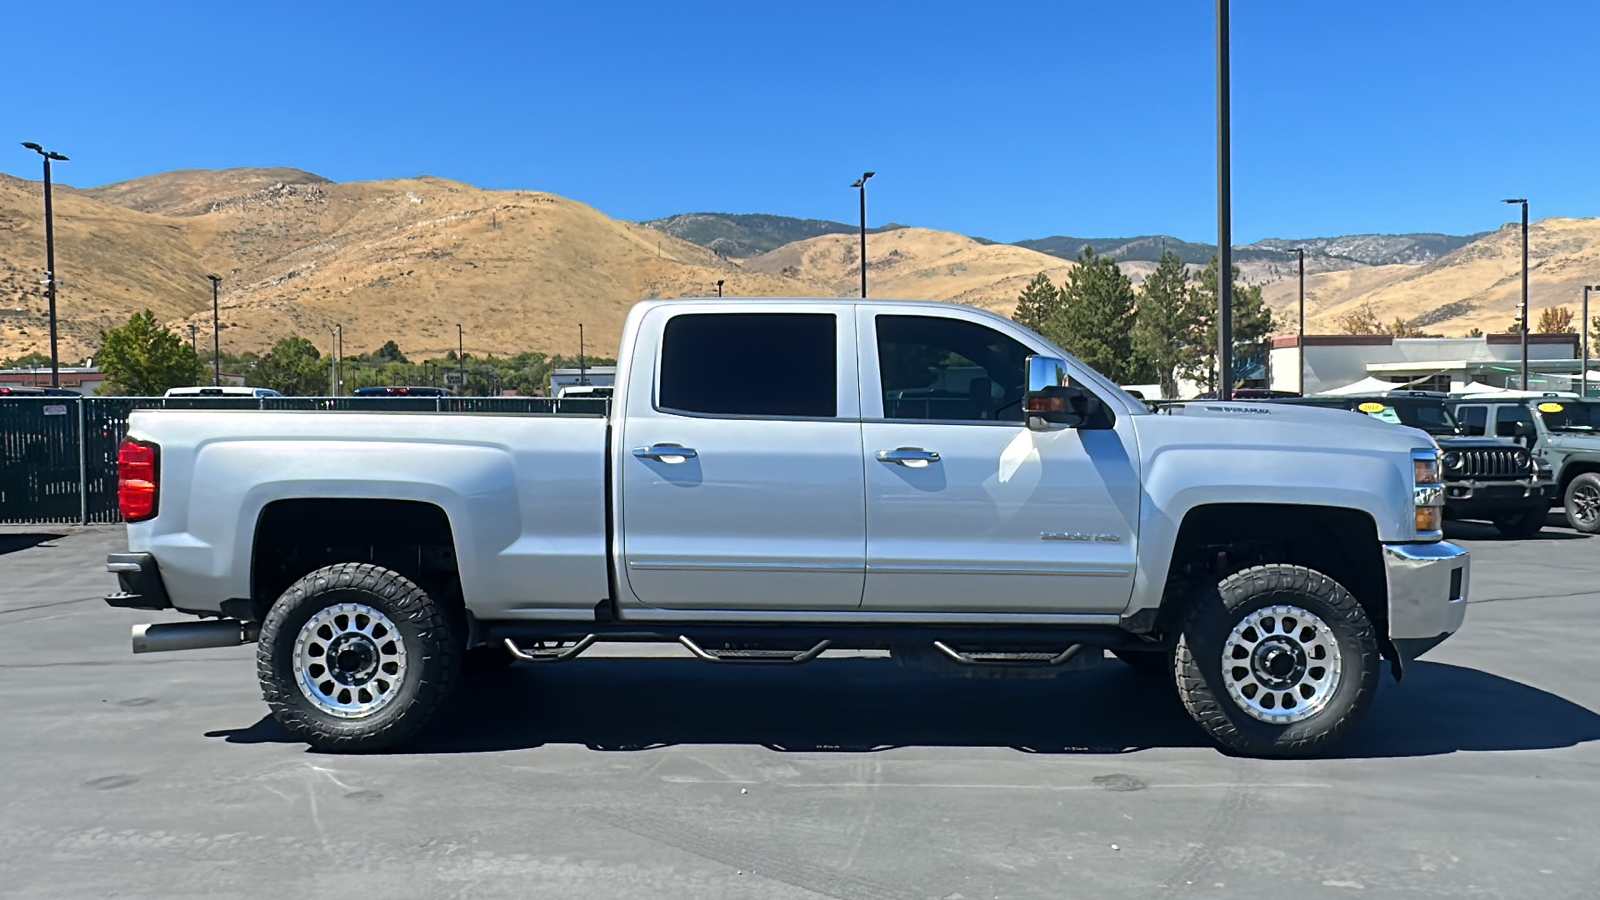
x,y
168,636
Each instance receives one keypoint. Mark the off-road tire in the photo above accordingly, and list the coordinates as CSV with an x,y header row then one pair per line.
x,y
1152,663
432,658
1522,524
1588,481
1214,611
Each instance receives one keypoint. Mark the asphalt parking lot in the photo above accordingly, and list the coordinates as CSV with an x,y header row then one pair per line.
x,y
159,776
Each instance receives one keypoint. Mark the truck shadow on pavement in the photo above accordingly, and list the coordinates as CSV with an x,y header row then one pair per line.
x,y
865,705
1555,529
11,543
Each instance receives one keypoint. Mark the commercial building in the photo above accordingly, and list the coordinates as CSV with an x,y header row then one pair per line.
x,y
1432,364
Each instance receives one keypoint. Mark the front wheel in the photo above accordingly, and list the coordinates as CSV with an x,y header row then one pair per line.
x,y
1582,502
1277,661
355,658
1524,523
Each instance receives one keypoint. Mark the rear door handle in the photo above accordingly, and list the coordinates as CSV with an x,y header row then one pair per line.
x,y
667,453
912,457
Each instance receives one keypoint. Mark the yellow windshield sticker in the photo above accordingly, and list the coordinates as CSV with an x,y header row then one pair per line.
x,y
1370,408
1551,407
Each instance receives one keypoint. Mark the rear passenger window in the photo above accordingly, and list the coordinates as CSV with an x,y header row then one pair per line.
x,y
778,365
1473,419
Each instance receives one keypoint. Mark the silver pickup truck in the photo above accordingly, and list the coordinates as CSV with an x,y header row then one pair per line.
x,y
777,478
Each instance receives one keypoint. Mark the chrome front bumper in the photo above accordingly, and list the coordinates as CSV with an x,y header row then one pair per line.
x,y
1427,595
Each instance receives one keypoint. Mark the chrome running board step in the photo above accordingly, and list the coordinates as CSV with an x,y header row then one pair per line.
x,y
541,653
755,654
1016,659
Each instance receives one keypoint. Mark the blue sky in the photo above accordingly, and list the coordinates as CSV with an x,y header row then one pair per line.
x,y
1007,120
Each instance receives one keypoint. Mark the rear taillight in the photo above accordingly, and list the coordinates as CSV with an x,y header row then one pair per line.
x,y
138,480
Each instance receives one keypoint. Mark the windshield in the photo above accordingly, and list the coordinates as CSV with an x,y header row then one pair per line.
x,y
1430,417
1571,415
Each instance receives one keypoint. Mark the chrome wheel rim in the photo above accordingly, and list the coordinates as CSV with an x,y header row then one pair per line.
x,y
1281,664
1586,503
349,660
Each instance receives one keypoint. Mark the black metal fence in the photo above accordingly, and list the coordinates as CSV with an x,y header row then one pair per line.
x,y
58,455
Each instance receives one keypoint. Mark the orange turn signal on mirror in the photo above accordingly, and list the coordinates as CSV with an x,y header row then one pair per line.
x,y
1047,404
1430,519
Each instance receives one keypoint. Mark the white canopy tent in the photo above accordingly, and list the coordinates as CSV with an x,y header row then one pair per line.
x,y
1368,385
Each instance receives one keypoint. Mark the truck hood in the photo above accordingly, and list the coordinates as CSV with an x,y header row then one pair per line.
x,y
1285,424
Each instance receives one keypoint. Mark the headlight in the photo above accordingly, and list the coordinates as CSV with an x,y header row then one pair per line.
x,y
1426,470
1452,460
1427,495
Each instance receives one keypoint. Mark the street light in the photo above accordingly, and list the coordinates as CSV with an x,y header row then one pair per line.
x,y
1583,372
1224,213
333,364
49,255
1524,203
1301,253
216,339
861,184
461,357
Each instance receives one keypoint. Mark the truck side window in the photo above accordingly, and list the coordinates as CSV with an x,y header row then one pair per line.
x,y
706,364
1474,419
949,370
1507,418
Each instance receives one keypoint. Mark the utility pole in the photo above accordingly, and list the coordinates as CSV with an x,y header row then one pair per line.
x,y
1524,203
861,184
1302,254
1224,213
216,332
49,255
1583,370
333,362
583,377
461,357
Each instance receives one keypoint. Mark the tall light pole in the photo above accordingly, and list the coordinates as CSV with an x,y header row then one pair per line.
x,y
1301,253
583,377
461,357
1224,213
49,255
861,184
1583,371
333,362
216,332
1524,203
719,287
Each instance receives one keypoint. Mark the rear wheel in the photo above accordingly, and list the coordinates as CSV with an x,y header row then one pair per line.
x,y
1582,501
1524,523
355,658
1277,661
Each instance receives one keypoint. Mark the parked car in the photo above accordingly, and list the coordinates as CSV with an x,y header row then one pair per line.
x,y
1264,559
28,391
223,390
1561,430
1484,478
403,392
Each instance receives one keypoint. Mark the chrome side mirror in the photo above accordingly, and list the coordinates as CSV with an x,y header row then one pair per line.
x,y
1051,398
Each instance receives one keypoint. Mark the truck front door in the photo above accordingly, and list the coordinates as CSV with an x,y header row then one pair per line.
x,y
967,509
739,461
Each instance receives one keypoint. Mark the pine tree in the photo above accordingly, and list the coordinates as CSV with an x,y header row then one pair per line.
x,y
1165,328
1252,322
1038,302
1095,322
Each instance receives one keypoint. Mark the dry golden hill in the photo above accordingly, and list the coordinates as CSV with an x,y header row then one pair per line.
x,y
1480,285
403,260
919,264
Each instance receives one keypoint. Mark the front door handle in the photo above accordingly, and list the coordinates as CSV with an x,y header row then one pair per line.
x,y
911,457
667,453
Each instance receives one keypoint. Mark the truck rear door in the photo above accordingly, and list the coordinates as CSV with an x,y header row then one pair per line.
x,y
739,461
